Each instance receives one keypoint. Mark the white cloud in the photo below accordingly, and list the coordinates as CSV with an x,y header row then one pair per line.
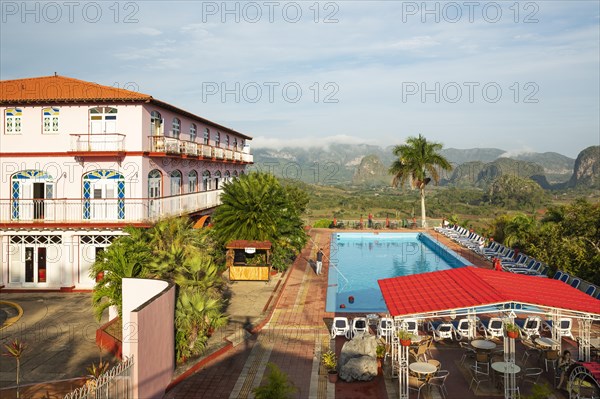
x,y
147,31
415,43
307,142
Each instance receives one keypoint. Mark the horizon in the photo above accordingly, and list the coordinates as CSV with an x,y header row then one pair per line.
x,y
526,75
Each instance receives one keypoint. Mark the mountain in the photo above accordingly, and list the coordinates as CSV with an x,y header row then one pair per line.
x,y
586,171
343,164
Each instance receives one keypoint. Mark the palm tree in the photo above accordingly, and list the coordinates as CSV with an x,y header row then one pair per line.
x,y
126,257
519,230
418,159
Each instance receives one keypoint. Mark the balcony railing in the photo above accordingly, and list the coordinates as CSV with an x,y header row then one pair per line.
x,y
170,145
100,142
127,210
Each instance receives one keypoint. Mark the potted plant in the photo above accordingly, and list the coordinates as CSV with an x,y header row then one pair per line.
x,y
380,352
404,337
512,330
330,362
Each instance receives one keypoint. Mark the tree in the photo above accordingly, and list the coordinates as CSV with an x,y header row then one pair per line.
x,y
277,385
418,163
519,230
257,207
126,257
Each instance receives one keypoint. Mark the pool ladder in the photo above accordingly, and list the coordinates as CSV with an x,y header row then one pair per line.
x,y
341,274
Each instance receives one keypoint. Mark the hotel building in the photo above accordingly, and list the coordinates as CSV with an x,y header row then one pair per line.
x,y
80,161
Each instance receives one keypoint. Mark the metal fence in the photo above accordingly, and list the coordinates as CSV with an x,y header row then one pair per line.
x,y
115,383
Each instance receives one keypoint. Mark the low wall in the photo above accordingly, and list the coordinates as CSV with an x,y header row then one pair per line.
x,y
149,334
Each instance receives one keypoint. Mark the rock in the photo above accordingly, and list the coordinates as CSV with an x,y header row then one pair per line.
x,y
363,368
358,359
361,345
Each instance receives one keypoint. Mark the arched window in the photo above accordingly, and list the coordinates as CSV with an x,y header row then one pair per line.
x,y
227,141
154,191
235,143
175,182
193,132
235,173
206,181
176,128
103,195
50,121
155,124
226,177
206,136
218,180
192,181
217,139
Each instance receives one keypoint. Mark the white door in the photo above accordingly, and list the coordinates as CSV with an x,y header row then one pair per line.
x,y
104,203
103,120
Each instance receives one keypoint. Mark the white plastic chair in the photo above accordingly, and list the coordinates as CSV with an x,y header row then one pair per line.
x,y
493,328
385,327
410,325
341,327
564,329
461,329
359,325
530,327
441,330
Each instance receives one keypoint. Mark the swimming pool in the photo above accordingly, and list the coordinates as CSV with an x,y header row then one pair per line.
x,y
358,260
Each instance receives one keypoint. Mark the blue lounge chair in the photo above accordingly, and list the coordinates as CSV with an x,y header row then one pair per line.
x,y
557,275
575,283
591,290
564,278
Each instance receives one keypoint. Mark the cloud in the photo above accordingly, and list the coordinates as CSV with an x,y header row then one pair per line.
x,y
415,43
307,142
147,31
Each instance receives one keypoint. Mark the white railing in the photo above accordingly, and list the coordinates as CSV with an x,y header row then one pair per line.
x,y
247,158
170,145
237,156
127,210
115,383
229,155
219,153
191,148
97,142
206,151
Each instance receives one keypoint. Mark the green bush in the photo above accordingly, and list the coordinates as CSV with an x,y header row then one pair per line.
x,y
322,223
277,385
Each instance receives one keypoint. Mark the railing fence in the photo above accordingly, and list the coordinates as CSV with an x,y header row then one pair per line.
x,y
115,383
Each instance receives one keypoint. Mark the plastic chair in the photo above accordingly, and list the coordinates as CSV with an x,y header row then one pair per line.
x,y
478,376
468,352
359,325
532,375
439,381
341,327
414,384
385,327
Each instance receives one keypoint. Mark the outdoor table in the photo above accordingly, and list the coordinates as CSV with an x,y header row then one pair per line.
x,y
422,368
545,341
483,344
595,342
503,367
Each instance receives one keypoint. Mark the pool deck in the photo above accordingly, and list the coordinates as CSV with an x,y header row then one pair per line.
x,y
295,330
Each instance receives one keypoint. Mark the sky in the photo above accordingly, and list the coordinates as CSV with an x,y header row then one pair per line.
x,y
522,76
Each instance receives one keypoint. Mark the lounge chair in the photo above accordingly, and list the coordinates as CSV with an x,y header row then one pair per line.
x,y
564,278
564,329
441,330
359,326
385,327
410,325
530,327
557,275
494,327
575,283
591,290
341,327
461,329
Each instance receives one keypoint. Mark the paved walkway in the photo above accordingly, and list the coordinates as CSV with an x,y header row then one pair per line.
x,y
293,339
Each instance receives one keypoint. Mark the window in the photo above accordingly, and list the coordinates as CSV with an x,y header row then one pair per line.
x,y
218,139
50,121
192,181
103,120
227,141
103,195
192,132
235,143
155,124
12,117
176,127
205,180
175,182
206,136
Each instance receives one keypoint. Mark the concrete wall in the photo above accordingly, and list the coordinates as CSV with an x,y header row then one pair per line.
x,y
148,334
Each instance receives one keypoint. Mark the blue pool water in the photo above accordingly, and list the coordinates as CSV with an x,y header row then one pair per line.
x,y
358,260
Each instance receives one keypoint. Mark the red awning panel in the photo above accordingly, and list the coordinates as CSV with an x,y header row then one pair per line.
x,y
470,286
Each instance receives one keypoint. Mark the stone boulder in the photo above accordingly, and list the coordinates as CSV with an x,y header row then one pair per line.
x,y
358,359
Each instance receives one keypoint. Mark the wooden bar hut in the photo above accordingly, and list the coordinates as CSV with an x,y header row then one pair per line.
x,y
249,260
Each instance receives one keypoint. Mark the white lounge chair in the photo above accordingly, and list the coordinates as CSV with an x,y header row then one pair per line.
x,y
461,329
564,329
494,327
359,326
410,325
530,327
341,327
441,330
385,327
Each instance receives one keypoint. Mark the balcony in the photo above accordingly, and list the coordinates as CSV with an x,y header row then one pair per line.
x,y
100,143
98,211
173,146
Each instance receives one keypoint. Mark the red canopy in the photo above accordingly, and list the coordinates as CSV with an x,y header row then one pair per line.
x,y
469,286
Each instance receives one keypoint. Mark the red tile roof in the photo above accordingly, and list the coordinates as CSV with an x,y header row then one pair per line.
x,y
471,286
62,89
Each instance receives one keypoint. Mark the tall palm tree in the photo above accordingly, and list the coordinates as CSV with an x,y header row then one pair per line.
x,y
418,163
